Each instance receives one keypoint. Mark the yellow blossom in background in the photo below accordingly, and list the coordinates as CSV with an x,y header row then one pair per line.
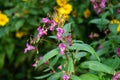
x,y
3,19
60,18
65,9
118,28
26,11
114,21
61,2
20,34
87,13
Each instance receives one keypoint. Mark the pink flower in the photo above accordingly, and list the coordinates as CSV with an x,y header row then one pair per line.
x,y
116,76
91,36
65,77
59,34
68,39
45,20
60,67
95,5
99,11
118,51
53,24
28,48
118,10
62,48
35,65
100,46
41,32
102,4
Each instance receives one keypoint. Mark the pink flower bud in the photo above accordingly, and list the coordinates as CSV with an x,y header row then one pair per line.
x,y
28,48
62,48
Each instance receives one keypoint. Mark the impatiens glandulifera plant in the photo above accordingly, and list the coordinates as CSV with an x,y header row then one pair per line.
x,y
68,60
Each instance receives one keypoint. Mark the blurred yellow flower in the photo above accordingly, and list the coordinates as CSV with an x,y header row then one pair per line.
x,y
118,28
65,9
60,18
87,13
20,34
3,19
61,2
114,21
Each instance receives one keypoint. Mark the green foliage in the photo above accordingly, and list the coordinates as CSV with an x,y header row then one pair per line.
x,y
84,60
97,66
89,76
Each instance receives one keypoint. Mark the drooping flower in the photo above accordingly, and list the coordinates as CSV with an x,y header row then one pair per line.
x,y
68,39
116,76
45,20
53,24
41,32
60,67
93,35
29,48
99,10
3,19
118,10
35,65
102,4
118,51
100,46
59,34
98,6
65,77
62,48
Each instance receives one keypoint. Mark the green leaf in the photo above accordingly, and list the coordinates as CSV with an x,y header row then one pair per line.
x,y
89,76
55,60
48,55
2,57
3,31
70,66
77,41
55,76
43,76
80,55
67,29
74,77
19,24
113,28
115,62
9,48
97,66
84,47
100,21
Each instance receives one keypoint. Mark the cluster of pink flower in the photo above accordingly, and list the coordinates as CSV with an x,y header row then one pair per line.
x,y
65,76
116,76
59,36
43,31
93,35
98,5
118,52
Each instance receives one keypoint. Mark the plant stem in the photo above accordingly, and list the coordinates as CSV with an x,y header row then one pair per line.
x,y
51,67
